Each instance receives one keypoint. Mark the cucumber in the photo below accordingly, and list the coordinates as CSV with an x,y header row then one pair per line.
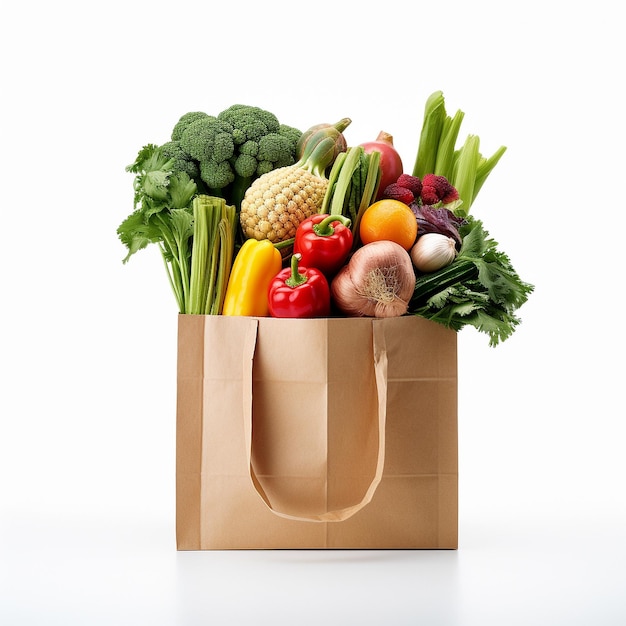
x,y
427,285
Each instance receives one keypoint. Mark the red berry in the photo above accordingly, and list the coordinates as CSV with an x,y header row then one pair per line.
x,y
398,192
439,187
429,195
410,182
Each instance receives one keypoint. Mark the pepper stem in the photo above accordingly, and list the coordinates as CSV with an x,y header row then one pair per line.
x,y
280,245
325,228
297,278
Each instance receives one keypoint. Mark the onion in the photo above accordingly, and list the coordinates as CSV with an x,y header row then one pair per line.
x,y
378,281
390,161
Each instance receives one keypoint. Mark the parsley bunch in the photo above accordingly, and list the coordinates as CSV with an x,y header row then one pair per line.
x,y
480,288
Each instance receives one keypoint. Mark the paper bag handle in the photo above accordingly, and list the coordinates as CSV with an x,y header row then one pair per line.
x,y
380,369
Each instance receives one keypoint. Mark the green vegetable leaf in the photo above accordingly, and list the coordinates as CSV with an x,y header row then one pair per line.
x,y
487,299
181,224
155,184
501,281
136,233
162,216
475,240
181,190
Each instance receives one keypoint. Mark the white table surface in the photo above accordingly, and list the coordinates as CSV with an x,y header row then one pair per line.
x,y
547,572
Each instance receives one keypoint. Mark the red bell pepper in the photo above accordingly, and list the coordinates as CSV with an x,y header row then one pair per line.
x,y
324,241
298,291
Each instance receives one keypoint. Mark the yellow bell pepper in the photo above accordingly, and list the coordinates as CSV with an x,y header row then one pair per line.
x,y
256,263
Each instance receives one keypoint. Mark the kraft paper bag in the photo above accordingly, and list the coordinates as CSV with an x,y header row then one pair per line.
x,y
316,433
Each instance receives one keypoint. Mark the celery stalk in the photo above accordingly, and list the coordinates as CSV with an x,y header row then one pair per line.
x,y
447,143
434,116
372,180
211,254
464,177
370,191
485,167
210,277
332,181
341,193
199,256
227,229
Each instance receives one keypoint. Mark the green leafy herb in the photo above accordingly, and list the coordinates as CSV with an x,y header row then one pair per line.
x,y
194,232
480,288
162,215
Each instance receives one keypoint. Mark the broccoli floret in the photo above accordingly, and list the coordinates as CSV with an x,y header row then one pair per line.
x,y
208,138
291,133
249,122
223,147
250,148
245,165
210,142
181,160
269,119
263,167
184,121
216,175
258,133
277,149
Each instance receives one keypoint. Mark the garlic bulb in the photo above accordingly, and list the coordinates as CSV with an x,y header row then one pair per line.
x,y
432,251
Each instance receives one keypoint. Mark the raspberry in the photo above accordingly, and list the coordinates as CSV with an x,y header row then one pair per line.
x,y
429,195
411,182
398,192
439,187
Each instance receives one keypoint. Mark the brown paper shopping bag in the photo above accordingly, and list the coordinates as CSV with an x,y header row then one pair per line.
x,y
325,433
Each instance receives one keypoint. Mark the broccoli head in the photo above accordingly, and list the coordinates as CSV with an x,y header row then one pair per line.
x,y
226,152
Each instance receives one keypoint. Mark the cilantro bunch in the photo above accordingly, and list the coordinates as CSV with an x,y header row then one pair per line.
x,y
480,288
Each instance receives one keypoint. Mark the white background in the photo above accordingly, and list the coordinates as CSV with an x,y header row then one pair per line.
x,y
88,345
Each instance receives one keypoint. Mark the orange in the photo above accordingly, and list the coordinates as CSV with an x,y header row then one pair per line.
x,y
389,219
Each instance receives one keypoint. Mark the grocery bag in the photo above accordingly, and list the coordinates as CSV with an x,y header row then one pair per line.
x,y
316,433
